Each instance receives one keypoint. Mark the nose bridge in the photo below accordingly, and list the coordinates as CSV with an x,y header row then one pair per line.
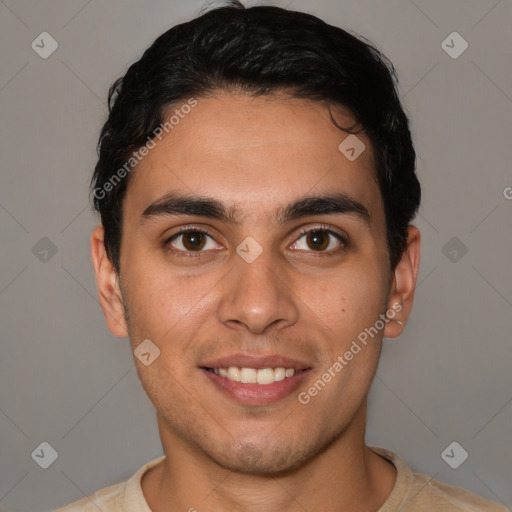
x,y
255,293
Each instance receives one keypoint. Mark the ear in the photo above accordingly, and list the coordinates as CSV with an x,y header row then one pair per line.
x,y
404,285
109,293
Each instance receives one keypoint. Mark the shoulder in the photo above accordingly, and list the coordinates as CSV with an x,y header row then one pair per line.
x,y
119,497
442,497
417,492
105,499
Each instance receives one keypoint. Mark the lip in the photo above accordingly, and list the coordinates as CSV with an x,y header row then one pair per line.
x,y
257,362
256,394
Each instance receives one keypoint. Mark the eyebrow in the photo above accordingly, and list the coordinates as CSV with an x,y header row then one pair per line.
x,y
180,204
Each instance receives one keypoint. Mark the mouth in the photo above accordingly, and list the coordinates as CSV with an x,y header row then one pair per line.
x,y
254,380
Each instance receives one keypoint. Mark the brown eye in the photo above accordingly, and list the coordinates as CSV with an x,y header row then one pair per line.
x,y
317,240
191,240
321,240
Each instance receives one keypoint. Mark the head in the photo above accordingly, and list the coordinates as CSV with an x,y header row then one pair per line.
x,y
232,125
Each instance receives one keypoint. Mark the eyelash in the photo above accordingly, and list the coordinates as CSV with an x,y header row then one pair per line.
x,y
194,254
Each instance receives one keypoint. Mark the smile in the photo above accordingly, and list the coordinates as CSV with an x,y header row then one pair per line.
x,y
255,386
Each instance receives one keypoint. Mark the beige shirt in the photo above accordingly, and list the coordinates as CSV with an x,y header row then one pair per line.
x,y
413,492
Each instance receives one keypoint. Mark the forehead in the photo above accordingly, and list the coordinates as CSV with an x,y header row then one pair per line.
x,y
255,154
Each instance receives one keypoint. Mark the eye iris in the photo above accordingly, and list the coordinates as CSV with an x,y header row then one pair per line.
x,y
193,240
317,237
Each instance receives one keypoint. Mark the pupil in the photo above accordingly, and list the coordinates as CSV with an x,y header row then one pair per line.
x,y
317,237
193,240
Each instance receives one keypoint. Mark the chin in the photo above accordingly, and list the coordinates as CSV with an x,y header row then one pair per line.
x,y
251,459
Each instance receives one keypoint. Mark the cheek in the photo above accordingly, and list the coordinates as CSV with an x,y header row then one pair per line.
x,y
348,302
166,308
170,308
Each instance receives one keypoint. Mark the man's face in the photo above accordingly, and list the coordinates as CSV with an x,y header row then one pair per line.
x,y
306,297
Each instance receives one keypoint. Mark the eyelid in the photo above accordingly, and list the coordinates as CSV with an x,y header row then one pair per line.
x,y
328,229
183,231
342,238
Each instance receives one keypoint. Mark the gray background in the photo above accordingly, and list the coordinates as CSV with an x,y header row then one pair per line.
x,y
65,380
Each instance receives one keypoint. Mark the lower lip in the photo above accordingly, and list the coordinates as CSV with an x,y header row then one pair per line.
x,y
256,394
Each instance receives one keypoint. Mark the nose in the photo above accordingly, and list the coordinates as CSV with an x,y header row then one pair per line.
x,y
257,296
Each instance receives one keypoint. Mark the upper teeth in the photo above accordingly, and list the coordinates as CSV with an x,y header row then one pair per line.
x,y
255,376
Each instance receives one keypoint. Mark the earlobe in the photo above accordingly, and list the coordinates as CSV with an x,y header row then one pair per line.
x,y
109,292
404,285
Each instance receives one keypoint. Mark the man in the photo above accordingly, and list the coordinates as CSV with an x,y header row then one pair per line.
x,y
256,186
